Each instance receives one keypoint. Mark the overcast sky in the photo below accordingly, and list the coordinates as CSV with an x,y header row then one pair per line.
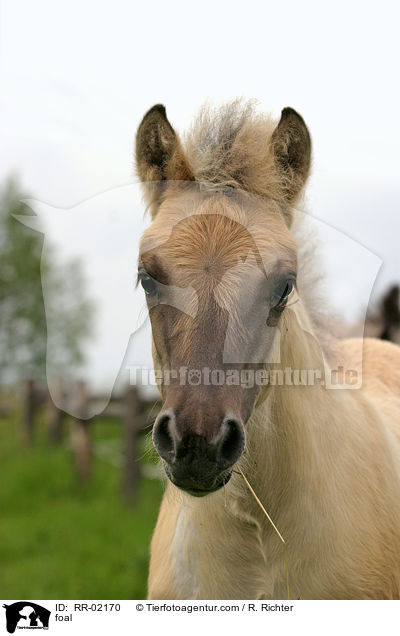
x,y
77,77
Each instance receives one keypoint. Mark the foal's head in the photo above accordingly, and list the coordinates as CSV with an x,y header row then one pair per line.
x,y
218,267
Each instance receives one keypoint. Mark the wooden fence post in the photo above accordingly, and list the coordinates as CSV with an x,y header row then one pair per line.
x,y
29,410
131,445
55,414
80,435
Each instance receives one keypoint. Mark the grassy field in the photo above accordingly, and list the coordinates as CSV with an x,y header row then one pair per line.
x,y
59,541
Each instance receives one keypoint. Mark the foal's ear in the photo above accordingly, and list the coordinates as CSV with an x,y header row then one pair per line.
x,y
159,154
291,145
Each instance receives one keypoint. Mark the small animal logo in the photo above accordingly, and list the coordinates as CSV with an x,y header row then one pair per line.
x,y
194,377
26,615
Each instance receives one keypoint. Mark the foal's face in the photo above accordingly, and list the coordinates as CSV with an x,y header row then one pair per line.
x,y
218,272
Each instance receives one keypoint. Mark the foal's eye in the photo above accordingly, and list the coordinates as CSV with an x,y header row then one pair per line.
x,y
149,284
282,293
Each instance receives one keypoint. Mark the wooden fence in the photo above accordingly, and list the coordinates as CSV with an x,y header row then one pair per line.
x,y
132,409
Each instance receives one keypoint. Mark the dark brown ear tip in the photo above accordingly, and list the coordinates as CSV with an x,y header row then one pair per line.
x,y
290,112
287,110
157,108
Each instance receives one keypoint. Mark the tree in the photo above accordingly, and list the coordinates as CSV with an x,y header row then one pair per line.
x,y
23,334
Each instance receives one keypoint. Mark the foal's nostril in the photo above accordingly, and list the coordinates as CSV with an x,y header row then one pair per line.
x,y
163,438
231,443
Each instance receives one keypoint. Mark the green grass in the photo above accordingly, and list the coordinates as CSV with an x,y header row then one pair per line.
x,y
60,541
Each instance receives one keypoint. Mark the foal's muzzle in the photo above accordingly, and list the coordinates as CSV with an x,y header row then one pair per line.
x,y
194,463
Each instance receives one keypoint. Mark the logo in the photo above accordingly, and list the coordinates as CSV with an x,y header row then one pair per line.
x,y
26,615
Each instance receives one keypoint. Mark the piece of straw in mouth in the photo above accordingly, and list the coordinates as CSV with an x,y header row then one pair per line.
x,y
246,481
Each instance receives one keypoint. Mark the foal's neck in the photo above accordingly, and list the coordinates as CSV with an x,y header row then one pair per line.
x,y
289,429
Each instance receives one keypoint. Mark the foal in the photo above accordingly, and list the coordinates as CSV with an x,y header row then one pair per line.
x,y
219,268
